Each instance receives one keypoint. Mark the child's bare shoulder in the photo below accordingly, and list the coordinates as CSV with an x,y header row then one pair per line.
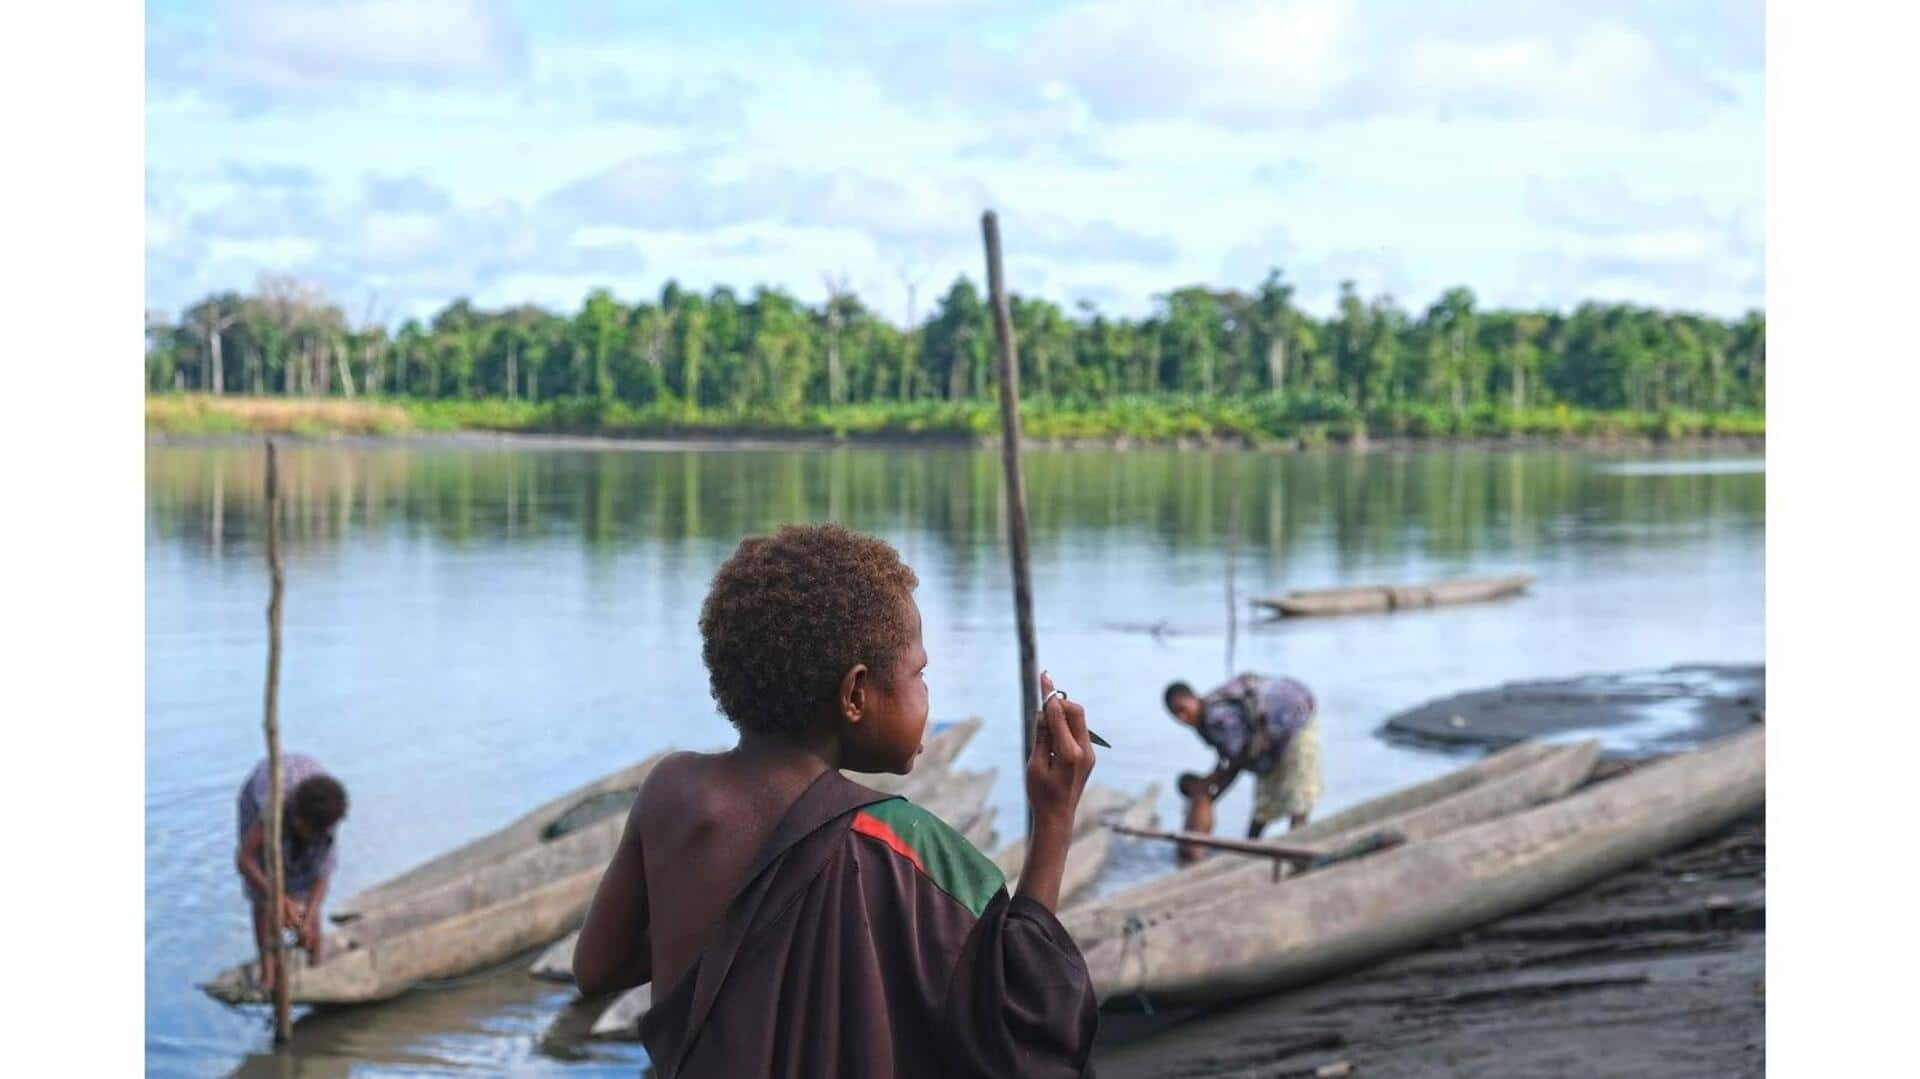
x,y
679,784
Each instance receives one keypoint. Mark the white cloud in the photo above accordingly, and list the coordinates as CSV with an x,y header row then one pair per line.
x,y
910,210
1284,173
1058,131
439,149
403,238
1255,64
1234,61
715,104
1604,206
406,194
270,52
1608,71
1610,243
1085,241
1248,262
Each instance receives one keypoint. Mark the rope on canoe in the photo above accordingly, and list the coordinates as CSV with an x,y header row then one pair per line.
x,y
1131,931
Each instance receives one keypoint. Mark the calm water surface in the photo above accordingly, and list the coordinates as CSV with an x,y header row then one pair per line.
x,y
474,628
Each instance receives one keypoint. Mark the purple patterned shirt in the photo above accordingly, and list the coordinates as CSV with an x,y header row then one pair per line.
x,y
1284,704
305,864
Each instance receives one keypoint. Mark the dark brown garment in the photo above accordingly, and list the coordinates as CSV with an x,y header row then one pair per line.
x,y
873,940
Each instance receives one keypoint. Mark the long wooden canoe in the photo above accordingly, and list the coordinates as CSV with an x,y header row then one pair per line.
x,y
1355,819
526,833
495,897
1374,599
1548,773
522,834
1257,940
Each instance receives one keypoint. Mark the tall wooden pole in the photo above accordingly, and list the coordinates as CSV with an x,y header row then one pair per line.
x,y
1009,375
1233,559
276,863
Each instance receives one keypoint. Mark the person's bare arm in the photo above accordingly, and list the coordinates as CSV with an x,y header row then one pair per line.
x,y
1057,772
310,920
250,859
614,951
1222,778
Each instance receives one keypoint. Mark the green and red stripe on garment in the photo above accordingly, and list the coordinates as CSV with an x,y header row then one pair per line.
x,y
941,854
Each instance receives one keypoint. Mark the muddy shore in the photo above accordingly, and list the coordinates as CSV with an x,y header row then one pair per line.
x,y
1660,970
1651,711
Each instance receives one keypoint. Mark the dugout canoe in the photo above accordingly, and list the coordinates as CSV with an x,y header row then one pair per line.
x,y
1373,599
1350,822
1551,773
605,798
1248,941
513,890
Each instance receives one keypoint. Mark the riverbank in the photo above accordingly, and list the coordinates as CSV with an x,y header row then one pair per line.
x,y
1252,423
1660,970
1633,713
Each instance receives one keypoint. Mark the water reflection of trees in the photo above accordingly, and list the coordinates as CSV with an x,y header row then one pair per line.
x,y
1366,507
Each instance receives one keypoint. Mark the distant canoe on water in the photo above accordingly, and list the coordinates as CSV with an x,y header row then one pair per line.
x,y
1380,598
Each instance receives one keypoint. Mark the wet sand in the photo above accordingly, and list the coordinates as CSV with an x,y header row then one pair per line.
x,y
1660,970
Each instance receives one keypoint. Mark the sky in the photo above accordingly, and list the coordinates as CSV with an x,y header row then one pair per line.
x,y
405,153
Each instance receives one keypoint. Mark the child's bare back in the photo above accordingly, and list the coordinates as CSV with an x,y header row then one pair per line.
x,y
701,818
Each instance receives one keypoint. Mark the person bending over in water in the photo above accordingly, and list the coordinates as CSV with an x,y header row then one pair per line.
x,y
794,922
1254,723
313,804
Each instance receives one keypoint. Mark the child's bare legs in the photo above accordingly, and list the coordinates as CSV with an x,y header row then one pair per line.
x,y
264,928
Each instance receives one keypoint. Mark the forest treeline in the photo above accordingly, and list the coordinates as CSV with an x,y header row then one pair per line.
x,y
766,354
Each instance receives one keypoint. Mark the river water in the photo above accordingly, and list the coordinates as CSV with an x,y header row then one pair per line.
x,y
474,627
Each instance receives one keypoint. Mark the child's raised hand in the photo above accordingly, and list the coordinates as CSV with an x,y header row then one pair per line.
x,y
1062,758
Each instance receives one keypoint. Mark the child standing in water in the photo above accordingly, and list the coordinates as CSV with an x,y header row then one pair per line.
x,y
796,923
314,803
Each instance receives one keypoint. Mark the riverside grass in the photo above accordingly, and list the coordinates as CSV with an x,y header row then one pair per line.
x,y
1261,420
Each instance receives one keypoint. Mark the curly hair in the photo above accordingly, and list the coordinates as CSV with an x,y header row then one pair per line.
x,y
789,613
320,801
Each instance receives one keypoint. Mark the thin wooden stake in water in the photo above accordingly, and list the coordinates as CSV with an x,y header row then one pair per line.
x,y
1233,557
1008,368
276,864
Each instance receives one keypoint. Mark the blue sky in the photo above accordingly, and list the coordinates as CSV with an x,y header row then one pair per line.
x,y
406,152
